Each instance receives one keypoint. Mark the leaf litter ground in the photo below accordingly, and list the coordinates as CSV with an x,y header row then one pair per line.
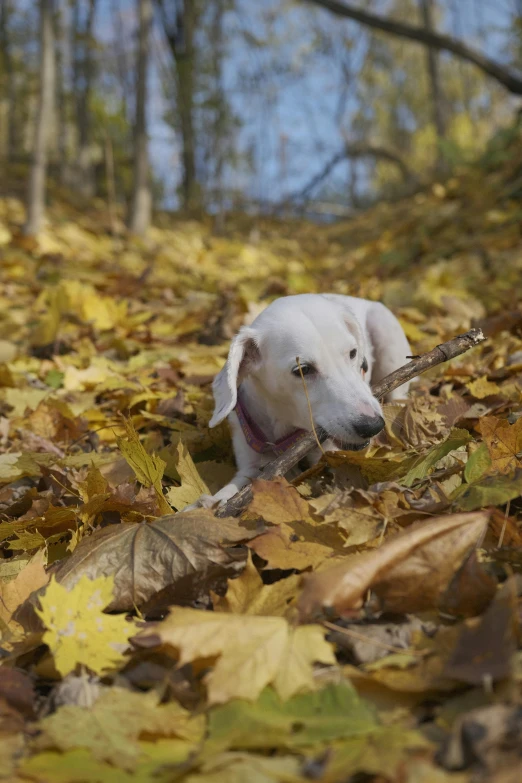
x,y
361,620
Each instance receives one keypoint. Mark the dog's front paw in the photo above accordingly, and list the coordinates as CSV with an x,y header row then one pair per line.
x,y
205,501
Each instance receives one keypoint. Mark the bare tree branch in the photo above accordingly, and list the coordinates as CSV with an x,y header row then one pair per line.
x,y
358,150
505,76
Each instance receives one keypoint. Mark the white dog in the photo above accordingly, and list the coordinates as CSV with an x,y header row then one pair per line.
x,y
342,344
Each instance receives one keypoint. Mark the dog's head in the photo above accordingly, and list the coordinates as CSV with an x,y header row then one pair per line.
x,y
334,359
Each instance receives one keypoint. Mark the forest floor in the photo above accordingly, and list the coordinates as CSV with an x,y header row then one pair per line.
x,y
107,349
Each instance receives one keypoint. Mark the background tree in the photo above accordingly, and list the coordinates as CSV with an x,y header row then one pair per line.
x,y
140,211
36,192
84,42
437,98
290,105
179,21
8,77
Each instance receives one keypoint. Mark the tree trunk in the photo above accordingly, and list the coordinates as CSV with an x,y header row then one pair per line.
x,y
60,97
84,78
185,79
140,210
505,76
180,37
10,87
36,192
437,99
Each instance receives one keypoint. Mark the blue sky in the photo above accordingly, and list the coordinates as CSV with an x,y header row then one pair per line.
x,y
290,122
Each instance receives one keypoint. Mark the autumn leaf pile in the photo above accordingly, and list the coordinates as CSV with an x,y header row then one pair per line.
x,y
357,624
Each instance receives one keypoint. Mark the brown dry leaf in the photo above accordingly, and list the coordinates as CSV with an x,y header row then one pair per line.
x,y
504,442
409,572
248,595
175,558
277,502
54,421
485,648
413,674
358,519
298,545
17,690
14,593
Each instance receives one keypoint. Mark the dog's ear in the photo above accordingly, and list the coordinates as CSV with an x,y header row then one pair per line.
x,y
243,357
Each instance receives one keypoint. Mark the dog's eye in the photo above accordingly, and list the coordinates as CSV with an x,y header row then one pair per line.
x,y
307,369
353,353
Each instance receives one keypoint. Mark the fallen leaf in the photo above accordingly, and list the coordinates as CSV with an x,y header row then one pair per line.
x,y
148,469
110,728
360,522
504,442
409,572
423,464
478,463
17,690
248,595
381,752
176,558
277,502
481,387
485,648
192,485
489,491
297,546
77,630
484,740
15,592
242,767
15,465
73,766
11,748
252,652
305,719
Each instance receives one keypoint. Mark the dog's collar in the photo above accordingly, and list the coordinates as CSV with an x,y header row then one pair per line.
x,y
257,439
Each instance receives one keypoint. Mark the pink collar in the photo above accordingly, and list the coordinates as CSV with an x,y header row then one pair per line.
x,y
256,438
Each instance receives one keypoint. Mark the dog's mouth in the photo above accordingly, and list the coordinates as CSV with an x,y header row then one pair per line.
x,y
345,446
342,444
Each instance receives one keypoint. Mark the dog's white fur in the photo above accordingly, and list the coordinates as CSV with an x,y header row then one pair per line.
x,y
322,330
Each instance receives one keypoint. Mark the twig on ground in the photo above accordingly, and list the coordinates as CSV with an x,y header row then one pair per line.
x,y
281,465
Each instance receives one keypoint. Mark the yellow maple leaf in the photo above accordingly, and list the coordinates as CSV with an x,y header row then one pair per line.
x,y
93,486
504,442
481,387
192,485
248,595
148,468
252,652
78,632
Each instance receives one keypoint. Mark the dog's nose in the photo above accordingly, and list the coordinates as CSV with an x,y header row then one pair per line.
x,y
368,427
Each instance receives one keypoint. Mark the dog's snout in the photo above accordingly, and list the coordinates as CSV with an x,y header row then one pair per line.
x,y
367,427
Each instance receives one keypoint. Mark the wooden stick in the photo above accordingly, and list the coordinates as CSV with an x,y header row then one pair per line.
x,y
281,465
